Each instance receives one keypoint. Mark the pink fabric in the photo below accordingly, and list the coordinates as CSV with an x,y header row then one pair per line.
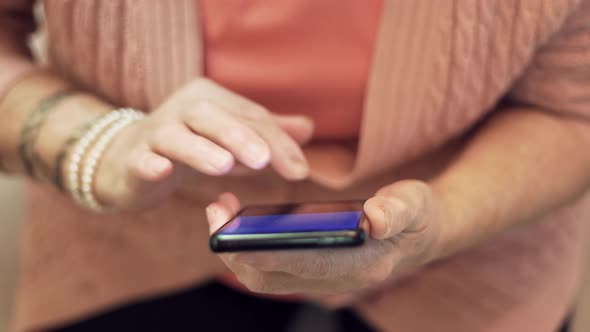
x,y
298,57
438,68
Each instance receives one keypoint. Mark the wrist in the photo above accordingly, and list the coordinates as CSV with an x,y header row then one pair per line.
x,y
64,128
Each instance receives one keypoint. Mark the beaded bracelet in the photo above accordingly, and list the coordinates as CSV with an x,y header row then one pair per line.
x,y
88,171
96,131
57,179
79,151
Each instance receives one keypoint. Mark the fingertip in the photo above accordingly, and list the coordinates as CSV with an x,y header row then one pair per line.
x,y
258,155
298,167
217,216
231,201
150,166
375,211
220,163
308,128
300,172
388,216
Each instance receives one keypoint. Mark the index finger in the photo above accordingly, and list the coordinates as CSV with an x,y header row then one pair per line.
x,y
220,212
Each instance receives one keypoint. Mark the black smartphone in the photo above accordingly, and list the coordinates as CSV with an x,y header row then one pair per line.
x,y
292,226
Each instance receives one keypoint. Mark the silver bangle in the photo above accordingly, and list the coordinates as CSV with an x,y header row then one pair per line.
x,y
94,155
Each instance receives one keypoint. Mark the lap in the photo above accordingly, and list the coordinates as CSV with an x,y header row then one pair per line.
x,y
213,307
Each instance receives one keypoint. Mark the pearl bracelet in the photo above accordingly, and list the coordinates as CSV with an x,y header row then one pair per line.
x,y
79,151
129,116
117,119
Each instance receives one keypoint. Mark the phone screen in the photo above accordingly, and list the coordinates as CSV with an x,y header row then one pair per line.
x,y
296,218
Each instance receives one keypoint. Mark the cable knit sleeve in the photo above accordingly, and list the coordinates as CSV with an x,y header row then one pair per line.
x,y
558,78
16,24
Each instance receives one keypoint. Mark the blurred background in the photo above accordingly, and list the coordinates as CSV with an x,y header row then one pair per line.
x,y
11,208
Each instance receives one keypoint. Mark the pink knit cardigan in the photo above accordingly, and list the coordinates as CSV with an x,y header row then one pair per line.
x,y
439,67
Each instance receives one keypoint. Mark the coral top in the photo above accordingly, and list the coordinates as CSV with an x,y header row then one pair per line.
x,y
300,57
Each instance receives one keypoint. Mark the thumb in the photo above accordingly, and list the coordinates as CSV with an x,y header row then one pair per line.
x,y
388,216
397,207
299,127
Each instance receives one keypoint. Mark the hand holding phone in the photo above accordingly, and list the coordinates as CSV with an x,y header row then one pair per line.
x,y
404,220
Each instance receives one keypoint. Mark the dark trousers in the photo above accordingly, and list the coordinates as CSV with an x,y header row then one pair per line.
x,y
215,308
212,308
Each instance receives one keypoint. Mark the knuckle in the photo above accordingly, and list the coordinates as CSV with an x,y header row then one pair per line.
x,y
257,113
200,111
163,134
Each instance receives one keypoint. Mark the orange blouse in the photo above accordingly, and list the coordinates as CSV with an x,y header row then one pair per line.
x,y
292,57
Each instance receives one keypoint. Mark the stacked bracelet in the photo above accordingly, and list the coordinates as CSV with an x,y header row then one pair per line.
x,y
58,180
31,130
88,150
96,152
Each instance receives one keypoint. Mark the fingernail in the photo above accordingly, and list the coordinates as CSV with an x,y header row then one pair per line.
x,y
306,121
387,218
221,161
299,166
258,156
379,211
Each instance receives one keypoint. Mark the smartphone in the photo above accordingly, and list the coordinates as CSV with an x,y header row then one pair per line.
x,y
292,226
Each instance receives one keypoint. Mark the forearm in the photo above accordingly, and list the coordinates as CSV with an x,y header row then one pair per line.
x,y
520,165
61,121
